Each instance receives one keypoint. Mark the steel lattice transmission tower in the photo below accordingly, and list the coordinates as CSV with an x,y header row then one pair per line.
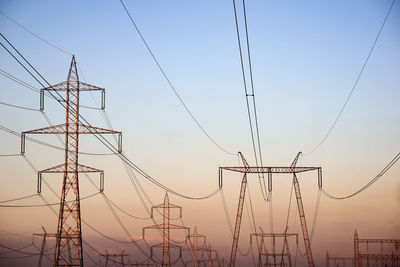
x,y
166,226
292,169
194,249
69,219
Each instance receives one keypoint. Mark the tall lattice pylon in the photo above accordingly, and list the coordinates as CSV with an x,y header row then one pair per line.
x,y
293,169
166,226
69,219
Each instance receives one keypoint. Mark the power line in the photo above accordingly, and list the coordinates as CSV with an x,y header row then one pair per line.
x,y
376,178
37,36
171,85
260,176
18,198
99,136
20,107
354,85
315,215
10,155
44,205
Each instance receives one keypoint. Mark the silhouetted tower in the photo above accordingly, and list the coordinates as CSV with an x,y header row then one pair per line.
x,y
117,258
69,220
293,169
195,246
166,226
275,257
381,257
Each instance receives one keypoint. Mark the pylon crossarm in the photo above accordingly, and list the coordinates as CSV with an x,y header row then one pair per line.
x,y
270,169
55,129
85,129
82,86
61,129
61,169
273,235
57,87
367,240
171,245
88,87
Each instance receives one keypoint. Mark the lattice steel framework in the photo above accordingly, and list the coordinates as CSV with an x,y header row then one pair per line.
x,y
194,240
262,250
166,226
69,220
359,257
246,169
113,258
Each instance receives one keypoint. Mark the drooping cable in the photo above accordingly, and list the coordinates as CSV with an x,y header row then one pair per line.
x,y
315,215
355,83
171,85
17,106
376,178
18,198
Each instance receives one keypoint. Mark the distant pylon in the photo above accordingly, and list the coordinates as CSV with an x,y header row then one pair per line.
x,y
115,256
166,226
69,220
274,256
195,246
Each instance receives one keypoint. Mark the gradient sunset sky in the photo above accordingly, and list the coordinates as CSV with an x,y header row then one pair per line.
x,y
306,57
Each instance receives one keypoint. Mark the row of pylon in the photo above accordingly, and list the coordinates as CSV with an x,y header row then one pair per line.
x,y
209,257
388,256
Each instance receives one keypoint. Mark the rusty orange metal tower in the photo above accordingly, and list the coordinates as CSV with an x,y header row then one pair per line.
x,y
195,246
246,169
69,220
166,226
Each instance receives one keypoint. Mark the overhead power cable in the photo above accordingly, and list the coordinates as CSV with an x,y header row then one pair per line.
x,y
37,36
247,95
18,198
44,205
20,107
316,210
354,85
376,178
94,132
171,85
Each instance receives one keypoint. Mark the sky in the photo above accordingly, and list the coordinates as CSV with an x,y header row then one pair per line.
x,y
306,57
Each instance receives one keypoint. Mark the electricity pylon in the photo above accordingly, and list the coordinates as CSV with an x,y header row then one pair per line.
x,y
246,169
166,226
114,257
69,219
194,241
263,235
382,257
